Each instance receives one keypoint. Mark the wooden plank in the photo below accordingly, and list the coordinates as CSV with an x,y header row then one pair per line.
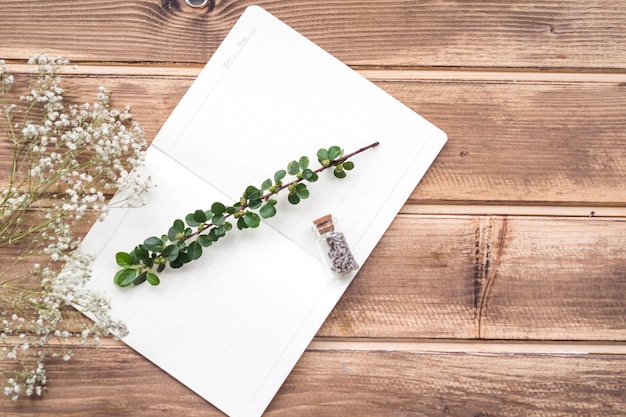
x,y
548,143
490,278
441,33
418,282
486,277
566,274
536,143
118,381
433,384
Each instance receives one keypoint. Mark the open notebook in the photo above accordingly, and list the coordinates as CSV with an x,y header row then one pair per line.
x,y
232,325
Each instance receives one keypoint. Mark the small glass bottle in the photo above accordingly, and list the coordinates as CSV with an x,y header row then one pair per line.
x,y
332,244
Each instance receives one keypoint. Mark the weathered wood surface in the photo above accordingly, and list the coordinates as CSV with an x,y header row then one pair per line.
x,y
442,33
336,382
499,290
490,278
486,277
508,143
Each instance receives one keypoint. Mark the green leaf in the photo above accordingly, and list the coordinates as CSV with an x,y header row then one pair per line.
x,y
339,172
199,216
140,253
228,226
307,174
322,154
254,204
179,225
153,278
348,165
251,219
153,244
141,278
303,162
279,175
293,168
253,193
125,277
170,253
189,219
194,251
177,228
241,224
293,198
334,152
172,234
205,241
218,220
220,231
268,210
266,184
182,259
161,267
302,191
123,259
218,208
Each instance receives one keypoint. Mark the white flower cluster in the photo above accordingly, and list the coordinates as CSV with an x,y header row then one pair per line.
x,y
65,165
34,379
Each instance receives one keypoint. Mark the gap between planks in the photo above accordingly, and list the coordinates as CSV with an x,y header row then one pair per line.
x,y
382,74
471,346
524,209
434,346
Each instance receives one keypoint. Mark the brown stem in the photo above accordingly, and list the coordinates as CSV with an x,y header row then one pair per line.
x,y
333,163
358,151
266,196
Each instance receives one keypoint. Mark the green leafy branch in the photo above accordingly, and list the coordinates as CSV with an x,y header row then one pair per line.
x,y
186,239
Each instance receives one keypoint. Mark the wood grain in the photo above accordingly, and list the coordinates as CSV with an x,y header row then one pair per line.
x,y
434,384
490,277
485,277
499,290
117,381
537,143
439,33
524,142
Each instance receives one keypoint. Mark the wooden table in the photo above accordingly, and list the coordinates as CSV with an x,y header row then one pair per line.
x,y
499,289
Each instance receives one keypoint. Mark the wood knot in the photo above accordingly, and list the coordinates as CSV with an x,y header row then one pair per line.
x,y
489,245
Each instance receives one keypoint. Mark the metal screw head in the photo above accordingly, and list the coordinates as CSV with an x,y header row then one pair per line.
x,y
197,4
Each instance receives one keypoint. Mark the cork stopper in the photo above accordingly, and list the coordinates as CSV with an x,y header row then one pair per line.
x,y
324,224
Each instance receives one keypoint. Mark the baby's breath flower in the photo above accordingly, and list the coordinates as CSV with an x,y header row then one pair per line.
x,y
68,156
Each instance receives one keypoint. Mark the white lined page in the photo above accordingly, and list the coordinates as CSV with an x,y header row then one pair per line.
x,y
208,319
283,97
232,325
